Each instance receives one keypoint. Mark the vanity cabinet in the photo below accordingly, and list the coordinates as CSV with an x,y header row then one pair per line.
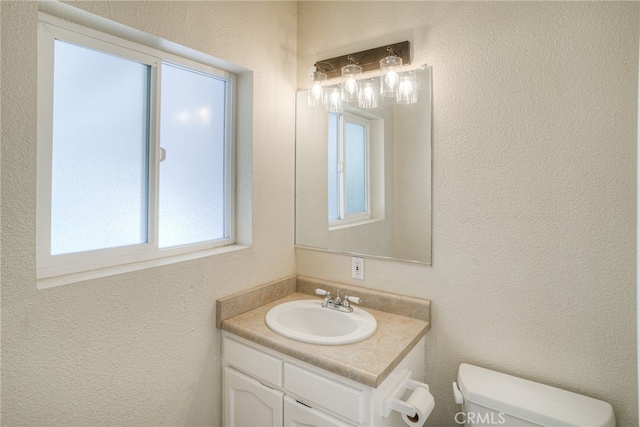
x,y
263,387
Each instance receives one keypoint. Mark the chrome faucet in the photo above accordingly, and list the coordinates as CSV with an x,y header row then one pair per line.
x,y
337,303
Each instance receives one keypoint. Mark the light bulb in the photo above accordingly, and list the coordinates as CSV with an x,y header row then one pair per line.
x,y
367,97
334,100
405,88
350,85
367,93
407,92
316,92
391,79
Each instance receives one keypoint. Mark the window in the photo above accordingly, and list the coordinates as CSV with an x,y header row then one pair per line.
x,y
348,168
135,152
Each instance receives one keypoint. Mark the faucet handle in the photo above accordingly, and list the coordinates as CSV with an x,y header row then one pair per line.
x,y
322,292
354,300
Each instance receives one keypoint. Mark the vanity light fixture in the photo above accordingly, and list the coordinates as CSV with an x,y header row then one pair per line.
x,y
393,83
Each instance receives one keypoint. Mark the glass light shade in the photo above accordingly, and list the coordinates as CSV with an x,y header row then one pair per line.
x,y
333,99
350,86
389,77
407,90
368,96
316,94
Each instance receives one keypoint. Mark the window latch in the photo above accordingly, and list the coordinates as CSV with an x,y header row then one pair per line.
x,y
163,154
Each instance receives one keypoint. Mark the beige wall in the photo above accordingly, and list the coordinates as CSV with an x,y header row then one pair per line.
x,y
139,348
534,190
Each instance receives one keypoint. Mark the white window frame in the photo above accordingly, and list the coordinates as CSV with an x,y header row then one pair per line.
x,y
51,28
344,217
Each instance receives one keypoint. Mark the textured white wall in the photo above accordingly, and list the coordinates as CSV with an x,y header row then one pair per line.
x,y
534,186
139,348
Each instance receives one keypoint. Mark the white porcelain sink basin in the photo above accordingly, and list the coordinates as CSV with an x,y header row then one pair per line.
x,y
308,321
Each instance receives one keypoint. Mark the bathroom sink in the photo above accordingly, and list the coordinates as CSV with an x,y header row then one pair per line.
x,y
307,321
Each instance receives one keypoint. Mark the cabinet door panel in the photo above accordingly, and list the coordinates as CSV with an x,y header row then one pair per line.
x,y
298,415
248,403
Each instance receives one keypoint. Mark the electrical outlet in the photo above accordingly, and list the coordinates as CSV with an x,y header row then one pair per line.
x,y
357,268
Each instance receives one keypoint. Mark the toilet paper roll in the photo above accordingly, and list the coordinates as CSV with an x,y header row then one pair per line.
x,y
424,403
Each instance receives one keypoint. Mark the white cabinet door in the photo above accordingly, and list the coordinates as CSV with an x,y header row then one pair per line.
x,y
299,415
248,403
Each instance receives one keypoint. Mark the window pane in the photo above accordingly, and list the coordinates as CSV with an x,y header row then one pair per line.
x,y
192,178
334,182
355,160
100,140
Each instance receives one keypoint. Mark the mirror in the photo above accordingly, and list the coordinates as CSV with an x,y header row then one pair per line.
x,y
363,177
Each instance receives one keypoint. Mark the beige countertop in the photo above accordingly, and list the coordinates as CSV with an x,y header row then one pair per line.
x,y
368,362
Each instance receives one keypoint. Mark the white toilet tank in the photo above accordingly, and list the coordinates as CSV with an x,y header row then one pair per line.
x,y
493,398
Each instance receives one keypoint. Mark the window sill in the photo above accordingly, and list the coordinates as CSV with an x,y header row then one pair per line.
x,y
340,225
66,279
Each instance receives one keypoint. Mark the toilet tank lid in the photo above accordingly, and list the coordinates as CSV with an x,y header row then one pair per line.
x,y
534,402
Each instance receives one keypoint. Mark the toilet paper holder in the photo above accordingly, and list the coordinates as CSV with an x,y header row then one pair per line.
x,y
393,401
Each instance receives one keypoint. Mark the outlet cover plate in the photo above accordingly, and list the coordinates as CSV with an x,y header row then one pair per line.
x,y
357,268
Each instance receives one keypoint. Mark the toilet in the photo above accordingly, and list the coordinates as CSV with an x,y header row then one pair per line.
x,y
493,398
